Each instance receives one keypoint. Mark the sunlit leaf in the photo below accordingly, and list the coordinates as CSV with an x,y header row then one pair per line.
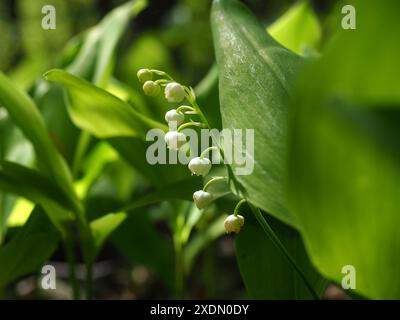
x,y
298,29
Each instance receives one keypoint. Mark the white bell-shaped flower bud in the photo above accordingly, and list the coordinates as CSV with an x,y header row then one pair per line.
x,y
144,75
233,223
151,88
175,117
174,139
174,92
202,199
200,166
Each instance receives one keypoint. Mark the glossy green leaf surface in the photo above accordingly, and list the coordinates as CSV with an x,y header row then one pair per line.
x,y
255,81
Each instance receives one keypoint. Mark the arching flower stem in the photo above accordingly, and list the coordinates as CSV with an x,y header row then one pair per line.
x,y
191,124
211,181
239,204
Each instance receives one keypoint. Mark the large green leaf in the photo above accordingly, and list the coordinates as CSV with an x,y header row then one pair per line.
x,y
298,29
266,272
99,112
29,249
26,116
344,154
255,81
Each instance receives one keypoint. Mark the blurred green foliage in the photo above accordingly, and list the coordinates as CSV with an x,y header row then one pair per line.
x,y
89,171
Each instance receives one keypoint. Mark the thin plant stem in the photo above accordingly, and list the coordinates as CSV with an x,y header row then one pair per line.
x,y
275,240
207,150
239,204
87,252
179,109
198,109
162,73
211,181
190,124
70,255
162,82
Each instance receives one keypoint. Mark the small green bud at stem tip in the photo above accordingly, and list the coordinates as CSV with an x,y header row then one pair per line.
x,y
144,75
152,89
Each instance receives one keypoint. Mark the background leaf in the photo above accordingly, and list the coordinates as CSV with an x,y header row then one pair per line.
x,y
297,29
16,148
29,249
26,116
344,155
266,272
103,227
202,239
208,97
98,111
141,243
36,187
100,42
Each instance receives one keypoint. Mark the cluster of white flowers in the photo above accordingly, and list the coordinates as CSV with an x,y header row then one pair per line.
x,y
175,139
